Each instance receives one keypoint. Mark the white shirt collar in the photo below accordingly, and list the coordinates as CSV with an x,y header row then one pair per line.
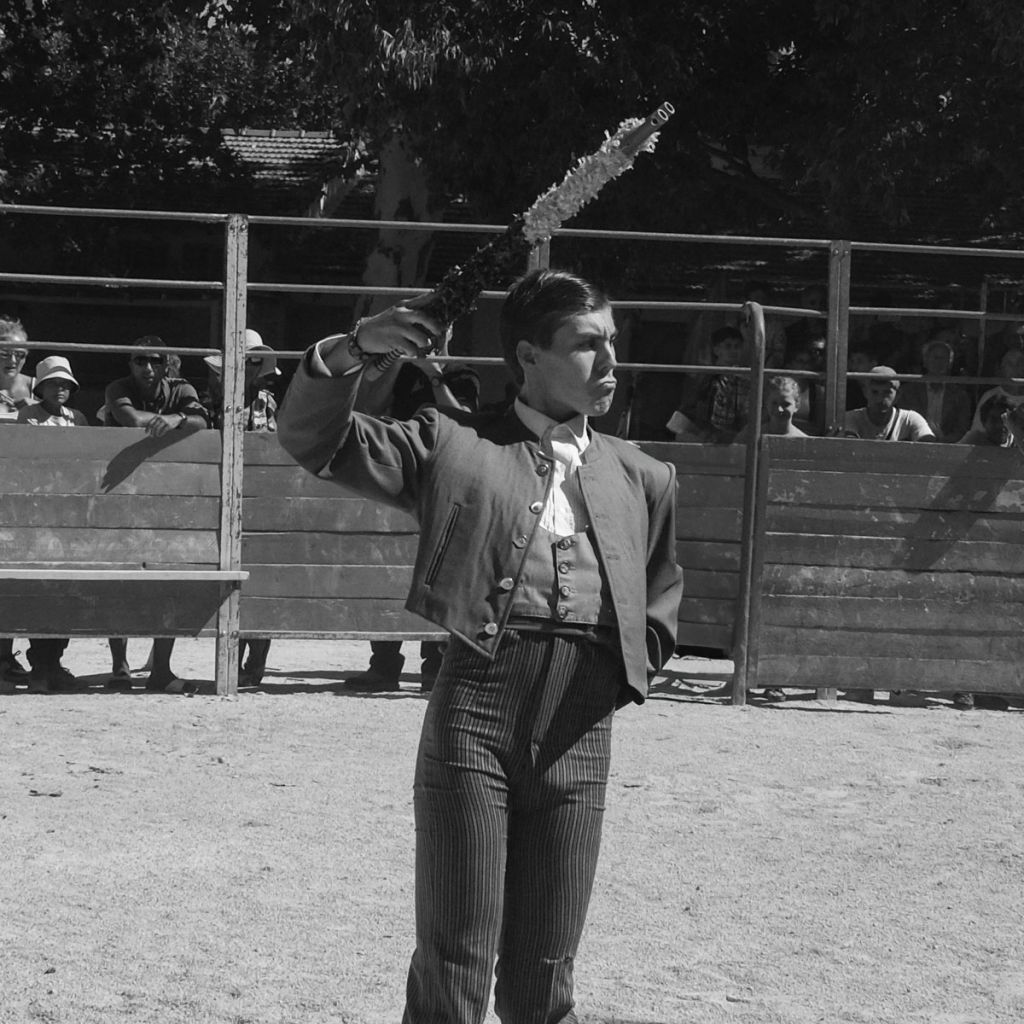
x,y
540,424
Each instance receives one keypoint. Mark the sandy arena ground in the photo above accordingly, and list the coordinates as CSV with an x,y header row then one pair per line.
x,y
210,861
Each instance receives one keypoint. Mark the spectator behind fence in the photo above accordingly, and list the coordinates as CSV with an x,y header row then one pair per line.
x,y
781,404
260,415
15,386
418,384
1011,365
994,432
717,410
148,398
15,392
54,385
946,407
880,419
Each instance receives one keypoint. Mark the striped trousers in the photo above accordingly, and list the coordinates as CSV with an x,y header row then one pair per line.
x,y
509,797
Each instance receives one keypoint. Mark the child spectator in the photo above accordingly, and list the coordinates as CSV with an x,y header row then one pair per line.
x,y
53,387
781,404
718,409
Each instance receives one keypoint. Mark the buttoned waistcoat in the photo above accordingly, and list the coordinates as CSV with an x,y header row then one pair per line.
x,y
476,484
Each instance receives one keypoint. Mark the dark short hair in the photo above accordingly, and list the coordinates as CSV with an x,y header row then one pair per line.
x,y
994,405
538,304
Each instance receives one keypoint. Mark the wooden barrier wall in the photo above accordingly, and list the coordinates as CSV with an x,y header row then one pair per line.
x,y
889,566
141,515
880,565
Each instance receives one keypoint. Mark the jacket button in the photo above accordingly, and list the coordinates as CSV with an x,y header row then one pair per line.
x,y
564,567
537,507
565,543
565,591
519,542
543,469
507,583
491,629
563,612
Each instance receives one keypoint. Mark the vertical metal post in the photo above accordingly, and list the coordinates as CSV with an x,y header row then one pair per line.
x,y
983,326
754,315
236,256
838,335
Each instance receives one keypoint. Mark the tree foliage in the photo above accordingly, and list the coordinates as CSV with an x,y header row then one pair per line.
x,y
874,118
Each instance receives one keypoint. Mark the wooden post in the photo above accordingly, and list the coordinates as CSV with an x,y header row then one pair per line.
x,y
752,314
838,336
236,251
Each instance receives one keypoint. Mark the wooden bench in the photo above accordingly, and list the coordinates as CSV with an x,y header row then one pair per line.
x,y
109,532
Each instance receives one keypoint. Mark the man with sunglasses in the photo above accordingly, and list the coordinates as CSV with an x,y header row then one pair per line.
x,y
150,399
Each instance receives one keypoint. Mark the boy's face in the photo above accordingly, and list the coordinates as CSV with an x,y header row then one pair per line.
x,y
576,373
937,360
782,405
728,351
53,394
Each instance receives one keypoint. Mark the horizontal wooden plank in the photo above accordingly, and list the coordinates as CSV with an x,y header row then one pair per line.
x,y
709,524
963,645
335,513
694,634
82,476
103,444
107,608
707,610
702,491
890,553
275,481
327,615
699,459
881,614
709,555
114,547
112,511
264,449
704,583
892,458
333,581
911,490
918,524
968,588
932,675
328,549
132,575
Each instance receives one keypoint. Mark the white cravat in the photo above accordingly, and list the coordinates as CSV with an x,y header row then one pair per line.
x,y
564,511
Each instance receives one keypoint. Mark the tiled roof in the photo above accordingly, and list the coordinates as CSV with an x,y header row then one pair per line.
x,y
295,162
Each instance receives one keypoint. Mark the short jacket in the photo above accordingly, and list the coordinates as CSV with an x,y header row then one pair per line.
x,y
476,483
